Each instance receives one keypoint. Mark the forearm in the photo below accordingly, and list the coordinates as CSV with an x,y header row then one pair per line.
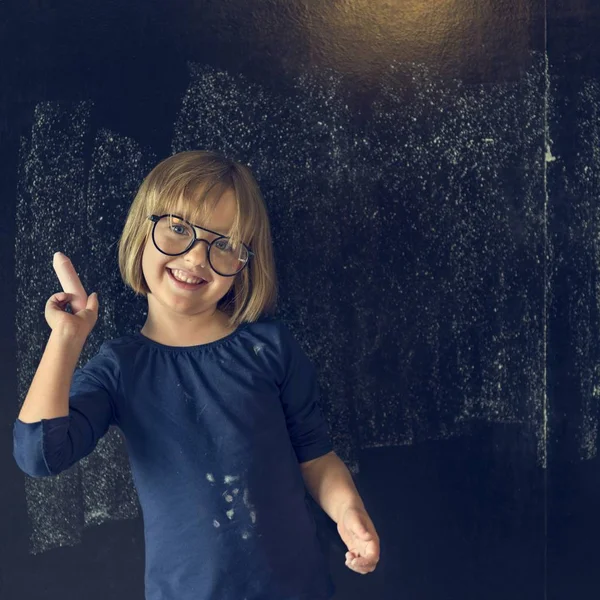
x,y
331,485
48,395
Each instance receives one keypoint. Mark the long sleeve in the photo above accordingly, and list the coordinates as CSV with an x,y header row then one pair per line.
x,y
50,446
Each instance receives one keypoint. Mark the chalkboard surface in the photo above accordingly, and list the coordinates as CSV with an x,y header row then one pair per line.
x,y
431,171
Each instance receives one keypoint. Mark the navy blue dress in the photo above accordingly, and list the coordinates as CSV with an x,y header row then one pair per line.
x,y
215,434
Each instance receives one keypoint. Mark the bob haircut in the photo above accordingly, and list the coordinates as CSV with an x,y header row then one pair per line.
x,y
197,179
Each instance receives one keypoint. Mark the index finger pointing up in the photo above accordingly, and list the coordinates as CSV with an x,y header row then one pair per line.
x,y
69,280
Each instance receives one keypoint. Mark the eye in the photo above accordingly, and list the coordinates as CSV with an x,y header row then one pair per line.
x,y
182,229
223,245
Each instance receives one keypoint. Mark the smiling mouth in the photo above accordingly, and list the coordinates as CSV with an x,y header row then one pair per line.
x,y
184,284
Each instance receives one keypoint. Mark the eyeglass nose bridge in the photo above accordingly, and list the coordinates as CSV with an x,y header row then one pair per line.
x,y
197,239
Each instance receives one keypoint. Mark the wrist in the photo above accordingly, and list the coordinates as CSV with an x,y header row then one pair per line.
x,y
67,338
354,502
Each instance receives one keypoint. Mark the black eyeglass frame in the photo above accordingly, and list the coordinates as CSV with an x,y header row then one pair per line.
x,y
156,218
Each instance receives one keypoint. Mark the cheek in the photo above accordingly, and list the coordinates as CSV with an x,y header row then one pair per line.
x,y
226,284
147,268
153,266
146,256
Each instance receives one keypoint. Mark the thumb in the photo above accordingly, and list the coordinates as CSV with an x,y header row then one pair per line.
x,y
92,301
362,531
359,527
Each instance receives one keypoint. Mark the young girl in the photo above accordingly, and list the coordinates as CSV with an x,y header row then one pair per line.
x,y
217,402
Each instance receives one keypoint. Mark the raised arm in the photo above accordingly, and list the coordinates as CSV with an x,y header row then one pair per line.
x,y
57,424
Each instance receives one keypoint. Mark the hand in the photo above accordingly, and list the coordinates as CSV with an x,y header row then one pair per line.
x,y
358,533
78,325
84,307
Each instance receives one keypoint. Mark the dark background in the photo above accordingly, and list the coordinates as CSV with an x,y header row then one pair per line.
x,y
431,171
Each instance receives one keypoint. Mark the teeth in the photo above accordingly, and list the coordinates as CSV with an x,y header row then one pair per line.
x,y
181,276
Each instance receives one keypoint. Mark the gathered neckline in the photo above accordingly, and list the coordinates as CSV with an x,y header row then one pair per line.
x,y
146,340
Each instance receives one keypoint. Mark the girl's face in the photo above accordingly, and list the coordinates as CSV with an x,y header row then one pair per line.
x,y
168,299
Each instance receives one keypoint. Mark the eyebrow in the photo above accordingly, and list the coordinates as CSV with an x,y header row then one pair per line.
x,y
203,228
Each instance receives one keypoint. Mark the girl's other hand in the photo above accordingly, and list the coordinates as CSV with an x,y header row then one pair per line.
x,y
358,533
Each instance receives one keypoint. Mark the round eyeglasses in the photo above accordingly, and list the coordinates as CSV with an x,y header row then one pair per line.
x,y
173,235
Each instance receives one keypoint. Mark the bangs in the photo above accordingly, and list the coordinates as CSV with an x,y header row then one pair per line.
x,y
196,203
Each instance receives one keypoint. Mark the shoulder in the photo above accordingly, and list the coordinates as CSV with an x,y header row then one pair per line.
x,y
275,341
101,369
280,335
118,350
116,346
273,330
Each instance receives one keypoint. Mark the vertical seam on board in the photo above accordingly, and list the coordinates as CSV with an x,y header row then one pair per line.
x,y
547,158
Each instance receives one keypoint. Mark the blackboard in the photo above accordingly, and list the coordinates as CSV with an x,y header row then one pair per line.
x,y
431,173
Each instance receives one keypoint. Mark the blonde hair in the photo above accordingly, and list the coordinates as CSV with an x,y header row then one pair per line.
x,y
199,178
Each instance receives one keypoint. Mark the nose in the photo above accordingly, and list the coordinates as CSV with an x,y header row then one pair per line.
x,y
198,253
